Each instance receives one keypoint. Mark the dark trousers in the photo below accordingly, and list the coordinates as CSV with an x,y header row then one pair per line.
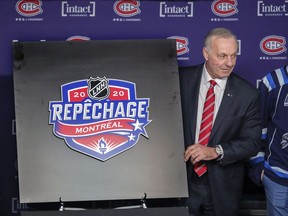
x,y
200,200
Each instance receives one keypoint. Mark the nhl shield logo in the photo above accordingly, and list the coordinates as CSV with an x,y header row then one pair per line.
x,y
100,117
98,88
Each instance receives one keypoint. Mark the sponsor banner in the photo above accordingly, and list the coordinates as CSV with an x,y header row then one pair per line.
x,y
272,8
225,10
260,24
274,47
78,38
78,9
128,10
181,47
176,9
29,10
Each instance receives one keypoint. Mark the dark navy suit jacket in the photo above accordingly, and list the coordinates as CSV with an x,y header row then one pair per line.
x,y
237,128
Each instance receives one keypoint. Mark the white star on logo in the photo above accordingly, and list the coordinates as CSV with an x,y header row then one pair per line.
x,y
137,125
131,137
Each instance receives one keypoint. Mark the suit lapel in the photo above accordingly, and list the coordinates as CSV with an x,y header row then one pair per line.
x,y
193,97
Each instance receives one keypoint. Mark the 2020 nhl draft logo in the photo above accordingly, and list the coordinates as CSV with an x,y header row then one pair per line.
x,y
100,117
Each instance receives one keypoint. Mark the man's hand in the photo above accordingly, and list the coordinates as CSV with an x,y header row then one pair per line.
x,y
198,152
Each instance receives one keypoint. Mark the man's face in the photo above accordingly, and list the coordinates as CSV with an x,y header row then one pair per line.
x,y
221,57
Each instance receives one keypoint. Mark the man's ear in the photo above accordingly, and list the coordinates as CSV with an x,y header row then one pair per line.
x,y
205,53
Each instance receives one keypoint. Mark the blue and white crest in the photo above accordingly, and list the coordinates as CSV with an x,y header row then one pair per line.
x,y
99,117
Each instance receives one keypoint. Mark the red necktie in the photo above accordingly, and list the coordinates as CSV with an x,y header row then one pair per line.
x,y
206,124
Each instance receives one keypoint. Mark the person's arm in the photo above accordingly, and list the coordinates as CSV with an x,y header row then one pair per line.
x,y
246,140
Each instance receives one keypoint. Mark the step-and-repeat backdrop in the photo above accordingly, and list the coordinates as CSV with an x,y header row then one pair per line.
x,y
261,27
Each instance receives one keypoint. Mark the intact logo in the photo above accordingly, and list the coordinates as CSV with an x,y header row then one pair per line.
x,y
176,10
181,44
273,45
99,117
272,9
29,8
224,8
127,8
83,9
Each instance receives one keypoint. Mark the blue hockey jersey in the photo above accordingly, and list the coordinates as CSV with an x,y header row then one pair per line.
x,y
274,113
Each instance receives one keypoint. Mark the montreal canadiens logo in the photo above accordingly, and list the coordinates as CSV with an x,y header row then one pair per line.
x,y
181,44
273,45
29,8
100,117
78,38
127,8
224,8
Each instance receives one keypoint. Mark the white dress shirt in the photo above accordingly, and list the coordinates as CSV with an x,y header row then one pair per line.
x,y
204,86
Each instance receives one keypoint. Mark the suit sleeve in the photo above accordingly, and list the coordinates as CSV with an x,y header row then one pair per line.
x,y
243,138
257,161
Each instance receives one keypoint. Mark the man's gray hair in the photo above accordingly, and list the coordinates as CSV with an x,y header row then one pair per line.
x,y
218,32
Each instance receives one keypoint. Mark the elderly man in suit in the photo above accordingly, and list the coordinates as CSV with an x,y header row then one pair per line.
x,y
219,135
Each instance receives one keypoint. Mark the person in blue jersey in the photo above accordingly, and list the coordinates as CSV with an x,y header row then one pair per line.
x,y
270,166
